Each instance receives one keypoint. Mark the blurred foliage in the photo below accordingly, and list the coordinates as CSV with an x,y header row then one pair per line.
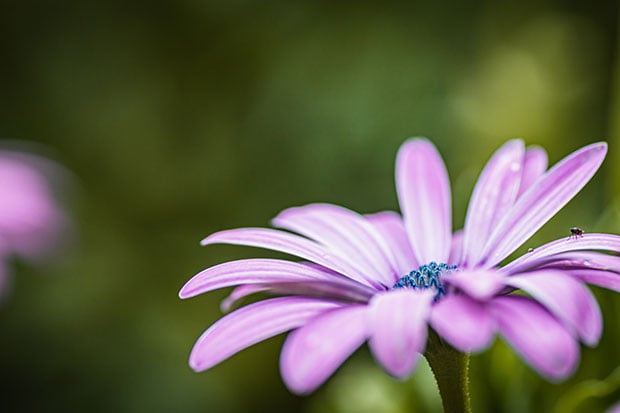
x,y
182,118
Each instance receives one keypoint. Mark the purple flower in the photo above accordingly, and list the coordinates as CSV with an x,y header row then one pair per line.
x,y
385,279
30,219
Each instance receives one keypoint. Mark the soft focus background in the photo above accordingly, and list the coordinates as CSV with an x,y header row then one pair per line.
x,y
181,118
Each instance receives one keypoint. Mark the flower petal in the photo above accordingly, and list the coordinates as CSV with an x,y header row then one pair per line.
x,y
594,268
456,251
494,194
465,323
605,279
256,271
582,260
240,292
391,226
252,324
30,219
311,354
424,195
566,298
536,335
479,284
603,242
534,166
345,232
586,260
397,326
290,244
546,197
329,290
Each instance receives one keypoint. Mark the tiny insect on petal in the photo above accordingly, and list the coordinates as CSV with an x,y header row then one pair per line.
x,y
576,232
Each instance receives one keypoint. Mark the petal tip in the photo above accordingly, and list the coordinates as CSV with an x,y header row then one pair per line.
x,y
295,382
592,335
197,364
298,389
400,369
279,220
185,292
599,148
591,341
417,140
516,142
189,289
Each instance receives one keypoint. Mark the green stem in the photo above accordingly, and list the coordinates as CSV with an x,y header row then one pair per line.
x,y
450,368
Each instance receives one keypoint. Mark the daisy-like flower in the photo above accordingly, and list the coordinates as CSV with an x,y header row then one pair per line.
x,y
30,218
386,279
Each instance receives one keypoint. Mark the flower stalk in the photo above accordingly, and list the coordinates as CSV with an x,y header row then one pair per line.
x,y
451,370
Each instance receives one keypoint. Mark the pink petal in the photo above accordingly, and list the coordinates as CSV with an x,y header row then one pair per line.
x,y
329,290
603,242
391,226
585,260
605,279
30,218
566,298
397,325
252,324
241,292
534,166
494,194
537,336
456,251
465,323
479,284
312,353
546,197
594,268
344,232
290,244
569,261
424,195
256,271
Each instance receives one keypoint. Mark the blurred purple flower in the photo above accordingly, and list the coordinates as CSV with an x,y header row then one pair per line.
x,y
30,219
384,279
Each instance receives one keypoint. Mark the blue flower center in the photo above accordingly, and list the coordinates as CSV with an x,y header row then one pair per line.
x,y
426,277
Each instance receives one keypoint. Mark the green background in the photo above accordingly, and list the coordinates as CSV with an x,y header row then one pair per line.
x,y
181,118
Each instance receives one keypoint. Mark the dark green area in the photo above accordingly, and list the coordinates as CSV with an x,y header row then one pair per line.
x,y
182,118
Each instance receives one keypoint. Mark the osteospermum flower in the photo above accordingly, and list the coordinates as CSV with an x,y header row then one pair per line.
x,y
30,218
386,279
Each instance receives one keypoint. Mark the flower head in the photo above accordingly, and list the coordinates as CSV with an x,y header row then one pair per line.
x,y
386,278
30,218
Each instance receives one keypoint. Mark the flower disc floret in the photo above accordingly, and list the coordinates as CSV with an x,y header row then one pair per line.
x,y
426,277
